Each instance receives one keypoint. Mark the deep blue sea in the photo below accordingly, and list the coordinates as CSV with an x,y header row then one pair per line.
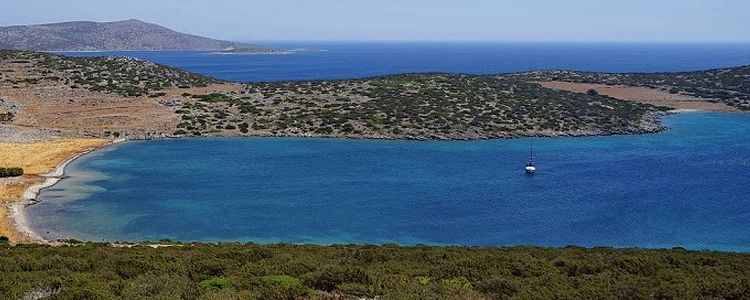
x,y
685,187
348,60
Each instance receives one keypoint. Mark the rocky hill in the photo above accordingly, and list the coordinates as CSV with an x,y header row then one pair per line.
x,y
97,96
119,35
139,99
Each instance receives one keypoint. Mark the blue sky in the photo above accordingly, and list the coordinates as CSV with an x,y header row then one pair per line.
x,y
414,20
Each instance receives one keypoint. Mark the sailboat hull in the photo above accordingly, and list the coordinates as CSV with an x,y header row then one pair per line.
x,y
530,170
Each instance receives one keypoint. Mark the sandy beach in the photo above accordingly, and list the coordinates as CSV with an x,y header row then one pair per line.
x,y
17,213
44,163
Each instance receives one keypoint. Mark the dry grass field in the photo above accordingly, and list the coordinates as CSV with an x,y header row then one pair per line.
x,y
643,95
41,157
36,159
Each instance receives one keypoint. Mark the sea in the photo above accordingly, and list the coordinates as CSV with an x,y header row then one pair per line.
x,y
685,187
345,60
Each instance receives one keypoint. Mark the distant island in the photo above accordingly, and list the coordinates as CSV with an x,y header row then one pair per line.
x,y
134,35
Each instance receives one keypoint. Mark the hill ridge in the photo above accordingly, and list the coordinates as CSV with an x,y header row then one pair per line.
x,y
131,34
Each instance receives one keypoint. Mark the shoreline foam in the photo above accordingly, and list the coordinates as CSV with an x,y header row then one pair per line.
x,y
29,197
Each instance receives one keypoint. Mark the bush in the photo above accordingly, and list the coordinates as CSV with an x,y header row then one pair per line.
x,y
218,283
330,277
244,127
281,280
10,172
7,117
213,98
498,287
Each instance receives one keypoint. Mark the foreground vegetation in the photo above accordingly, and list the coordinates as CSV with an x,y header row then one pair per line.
x,y
235,271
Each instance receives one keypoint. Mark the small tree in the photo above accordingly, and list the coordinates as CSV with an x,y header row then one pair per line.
x,y
6,117
592,92
10,172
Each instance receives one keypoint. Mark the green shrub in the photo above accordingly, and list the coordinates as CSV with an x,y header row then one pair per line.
x,y
214,97
6,117
281,280
330,277
10,172
218,283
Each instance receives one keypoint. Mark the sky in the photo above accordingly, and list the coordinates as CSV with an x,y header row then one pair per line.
x,y
413,20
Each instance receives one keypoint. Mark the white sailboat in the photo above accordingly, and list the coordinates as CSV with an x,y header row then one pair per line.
x,y
530,167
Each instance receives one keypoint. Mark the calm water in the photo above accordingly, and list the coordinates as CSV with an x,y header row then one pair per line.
x,y
347,60
685,187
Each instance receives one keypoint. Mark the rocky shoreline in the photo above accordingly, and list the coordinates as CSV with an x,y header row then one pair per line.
x,y
650,123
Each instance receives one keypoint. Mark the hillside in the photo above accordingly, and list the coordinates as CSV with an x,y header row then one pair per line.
x,y
237,271
90,96
99,96
730,86
414,106
119,35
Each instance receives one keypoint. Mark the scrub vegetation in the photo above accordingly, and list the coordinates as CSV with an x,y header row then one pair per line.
x,y
146,100
413,106
236,271
730,86
126,76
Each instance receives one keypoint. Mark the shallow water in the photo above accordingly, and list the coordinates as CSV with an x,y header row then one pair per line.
x,y
684,187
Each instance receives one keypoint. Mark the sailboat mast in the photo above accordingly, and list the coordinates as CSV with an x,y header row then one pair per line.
x,y
531,152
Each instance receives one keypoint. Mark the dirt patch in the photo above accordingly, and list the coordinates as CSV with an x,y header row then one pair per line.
x,y
643,95
40,100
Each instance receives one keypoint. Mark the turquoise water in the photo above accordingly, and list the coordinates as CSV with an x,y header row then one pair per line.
x,y
685,187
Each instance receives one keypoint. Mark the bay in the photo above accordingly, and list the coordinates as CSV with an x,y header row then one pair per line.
x,y
684,187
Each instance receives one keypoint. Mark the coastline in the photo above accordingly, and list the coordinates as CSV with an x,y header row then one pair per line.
x,y
17,211
17,214
651,123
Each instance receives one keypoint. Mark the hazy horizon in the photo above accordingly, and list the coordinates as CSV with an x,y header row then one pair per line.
x,y
647,21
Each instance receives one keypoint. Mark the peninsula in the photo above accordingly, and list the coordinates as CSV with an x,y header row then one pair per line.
x,y
131,35
130,98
